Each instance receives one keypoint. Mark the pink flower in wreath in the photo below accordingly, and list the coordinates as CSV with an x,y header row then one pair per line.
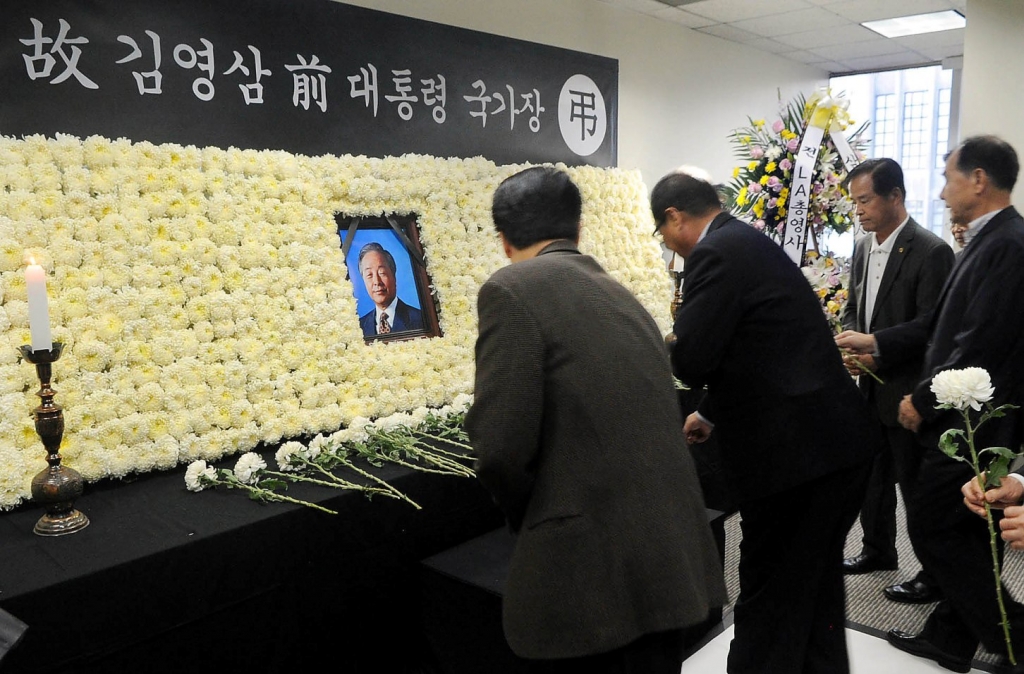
x,y
781,227
774,184
778,126
757,152
759,225
786,165
754,188
793,145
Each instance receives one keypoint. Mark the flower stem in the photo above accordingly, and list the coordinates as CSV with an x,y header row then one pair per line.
x,y
863,368
336,483
268,495
999,584
993,546
395,492
463,445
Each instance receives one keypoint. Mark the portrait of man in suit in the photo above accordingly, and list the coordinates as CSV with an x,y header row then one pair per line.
x,y
795,433
898,270
579,441
378,270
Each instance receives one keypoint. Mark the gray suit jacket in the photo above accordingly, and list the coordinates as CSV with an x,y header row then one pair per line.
x,y
917,268
579,439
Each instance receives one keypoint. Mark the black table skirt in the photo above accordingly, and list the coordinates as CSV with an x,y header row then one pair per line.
x,y
165,580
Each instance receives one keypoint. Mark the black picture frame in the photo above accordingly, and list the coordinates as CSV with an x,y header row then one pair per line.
x,y
416,308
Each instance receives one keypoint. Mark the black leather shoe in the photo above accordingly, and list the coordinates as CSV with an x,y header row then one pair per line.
x,y
867,563
913,592
915,645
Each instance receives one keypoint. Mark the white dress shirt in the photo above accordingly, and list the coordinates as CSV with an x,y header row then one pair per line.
x,y
390,311
878,257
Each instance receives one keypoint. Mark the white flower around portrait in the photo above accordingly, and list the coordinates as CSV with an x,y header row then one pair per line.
x,y
205,306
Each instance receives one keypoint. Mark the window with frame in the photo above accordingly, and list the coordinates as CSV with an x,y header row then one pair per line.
x,y
915,127
884,144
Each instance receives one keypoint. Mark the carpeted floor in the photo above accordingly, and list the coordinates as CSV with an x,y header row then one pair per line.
x,y
866,607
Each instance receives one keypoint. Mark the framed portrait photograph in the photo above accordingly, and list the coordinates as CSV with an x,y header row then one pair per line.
x,y
389,277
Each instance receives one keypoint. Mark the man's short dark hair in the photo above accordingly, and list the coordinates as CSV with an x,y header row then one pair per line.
x,y
886,176
373,246
991,154
684,193
537,204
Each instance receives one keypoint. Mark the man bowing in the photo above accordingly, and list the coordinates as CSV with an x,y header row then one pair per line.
x,y
794,430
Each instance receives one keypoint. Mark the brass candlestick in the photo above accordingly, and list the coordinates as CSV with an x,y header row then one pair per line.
x,y
677,299
677,294
56,486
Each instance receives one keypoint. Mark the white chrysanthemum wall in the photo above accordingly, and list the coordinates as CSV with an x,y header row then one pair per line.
x,y
202,299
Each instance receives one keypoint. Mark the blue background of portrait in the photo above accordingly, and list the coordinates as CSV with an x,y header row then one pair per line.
x,y
404,277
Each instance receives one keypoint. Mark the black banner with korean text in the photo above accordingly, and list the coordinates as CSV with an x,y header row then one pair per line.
x,y
311,77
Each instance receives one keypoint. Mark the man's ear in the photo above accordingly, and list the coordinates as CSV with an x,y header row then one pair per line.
x,y
980,178
509,250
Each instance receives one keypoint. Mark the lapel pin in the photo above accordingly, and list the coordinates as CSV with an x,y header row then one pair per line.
x,y
901,249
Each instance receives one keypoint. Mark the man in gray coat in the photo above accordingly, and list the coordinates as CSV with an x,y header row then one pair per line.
x,y
579,439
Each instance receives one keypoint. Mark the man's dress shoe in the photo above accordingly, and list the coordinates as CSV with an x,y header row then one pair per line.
x,y
913,591
915,645
867,563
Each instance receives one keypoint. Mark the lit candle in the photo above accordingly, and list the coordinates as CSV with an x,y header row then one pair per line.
x,y
38,308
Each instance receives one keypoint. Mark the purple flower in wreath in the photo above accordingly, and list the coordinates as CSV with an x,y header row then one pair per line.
x,y
774,184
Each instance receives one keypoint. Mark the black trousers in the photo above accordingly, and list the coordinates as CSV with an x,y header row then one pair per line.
x,y
898,461
658,653
790,616
953,544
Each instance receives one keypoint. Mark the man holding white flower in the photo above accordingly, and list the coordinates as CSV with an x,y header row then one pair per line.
x,y
977,323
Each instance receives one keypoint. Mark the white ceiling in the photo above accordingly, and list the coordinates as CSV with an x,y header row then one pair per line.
x,y
823,33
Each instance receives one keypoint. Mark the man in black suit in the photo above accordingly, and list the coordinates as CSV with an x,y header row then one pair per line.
x,y
897,272
977,322
377,268
579,440
795,433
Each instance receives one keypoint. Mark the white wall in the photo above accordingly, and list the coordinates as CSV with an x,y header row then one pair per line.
x,y
680,92
992,98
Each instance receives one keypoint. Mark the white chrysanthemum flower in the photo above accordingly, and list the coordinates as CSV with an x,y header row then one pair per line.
x,y
316,446
286,455
248,467
960,389
196,473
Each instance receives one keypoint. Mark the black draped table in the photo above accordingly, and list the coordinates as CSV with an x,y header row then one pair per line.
x,y
165,580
